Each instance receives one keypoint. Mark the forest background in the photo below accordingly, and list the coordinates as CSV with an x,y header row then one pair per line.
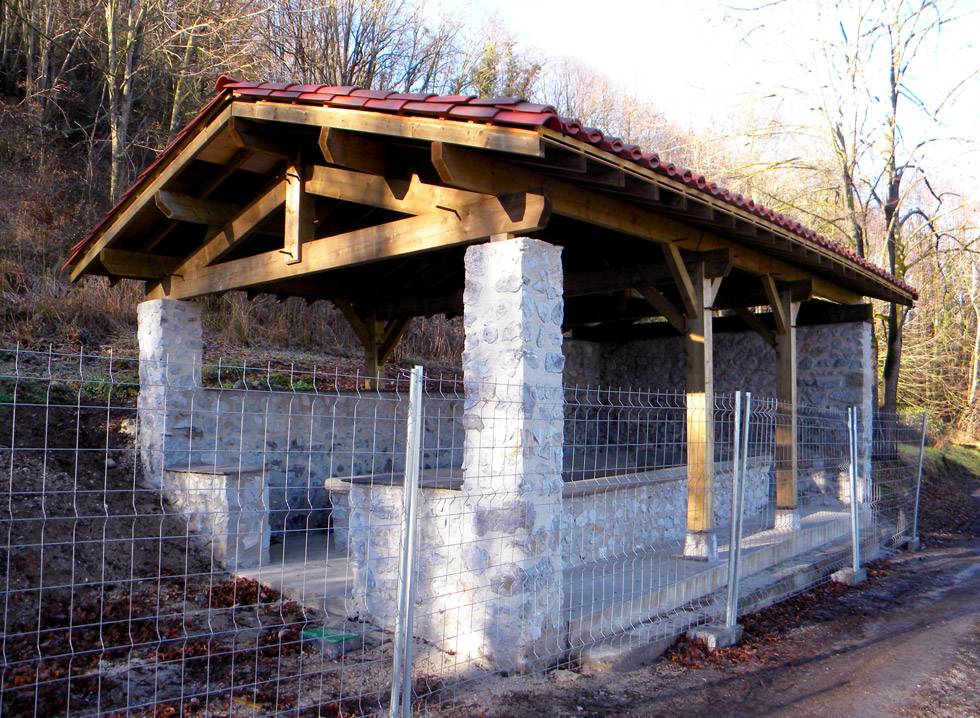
x,y
90,90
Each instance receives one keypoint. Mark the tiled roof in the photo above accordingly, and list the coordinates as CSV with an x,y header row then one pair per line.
x,y
505,111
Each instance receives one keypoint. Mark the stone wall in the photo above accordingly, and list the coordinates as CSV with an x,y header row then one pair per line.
x,y
299,441
836,368
610,518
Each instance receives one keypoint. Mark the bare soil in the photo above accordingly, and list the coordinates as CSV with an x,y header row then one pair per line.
x,y
111,607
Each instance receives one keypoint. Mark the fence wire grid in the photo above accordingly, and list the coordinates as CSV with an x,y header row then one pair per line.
x,y
238,540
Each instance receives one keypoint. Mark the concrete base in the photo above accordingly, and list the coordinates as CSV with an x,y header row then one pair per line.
x,y
717,635
850,577
701,546
787,520
912,544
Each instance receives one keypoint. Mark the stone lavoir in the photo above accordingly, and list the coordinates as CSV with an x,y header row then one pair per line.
x,y
575,261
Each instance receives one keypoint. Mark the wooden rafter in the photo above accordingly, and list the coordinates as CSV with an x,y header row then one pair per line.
x,y
158,181
682,280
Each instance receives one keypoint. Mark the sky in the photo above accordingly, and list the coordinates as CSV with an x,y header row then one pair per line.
x,y
701,61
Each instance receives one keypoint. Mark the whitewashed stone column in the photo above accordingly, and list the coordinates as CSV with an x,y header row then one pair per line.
x,y
171,351
512,461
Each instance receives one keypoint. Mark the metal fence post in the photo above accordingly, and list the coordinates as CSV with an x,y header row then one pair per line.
x,y
401,673
740,447
914,538
852,434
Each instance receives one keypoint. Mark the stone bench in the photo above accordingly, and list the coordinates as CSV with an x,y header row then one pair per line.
x,y
227,508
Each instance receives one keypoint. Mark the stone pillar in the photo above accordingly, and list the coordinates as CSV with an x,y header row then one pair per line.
x,y
514,426
171,351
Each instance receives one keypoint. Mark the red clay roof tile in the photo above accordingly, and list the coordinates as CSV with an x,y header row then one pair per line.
x,y
494,110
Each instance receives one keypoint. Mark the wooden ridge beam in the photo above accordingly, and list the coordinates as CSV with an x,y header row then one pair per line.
x,y
435,230
472,134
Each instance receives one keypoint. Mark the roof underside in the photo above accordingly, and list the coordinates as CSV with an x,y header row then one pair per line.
x,y
386,175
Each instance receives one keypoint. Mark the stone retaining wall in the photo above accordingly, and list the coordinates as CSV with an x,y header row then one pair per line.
x,y
612,517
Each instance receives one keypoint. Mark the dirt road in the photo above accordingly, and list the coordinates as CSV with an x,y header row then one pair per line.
x,y
906,643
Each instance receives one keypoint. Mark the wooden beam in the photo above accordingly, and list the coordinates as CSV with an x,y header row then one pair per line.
x,y
158,180
467,169
354,150
393,332
407,196
185,208
298,228
471,134
682,279
663,305
232,234
137,265
717,263
260,144
772,296
435,230
756,324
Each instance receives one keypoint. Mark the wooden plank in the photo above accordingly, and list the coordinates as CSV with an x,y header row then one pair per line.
x,y
234,232
467,169
185,208
137,265
471,134
354,150
158,181
408,196
438,229
663,305
298,228
786,395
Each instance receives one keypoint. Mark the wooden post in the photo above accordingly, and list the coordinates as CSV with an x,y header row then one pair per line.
x,y
298,229
785,310
698,293
378,338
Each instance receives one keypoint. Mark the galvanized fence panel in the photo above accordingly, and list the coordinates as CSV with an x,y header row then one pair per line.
x,y
238,539
184,550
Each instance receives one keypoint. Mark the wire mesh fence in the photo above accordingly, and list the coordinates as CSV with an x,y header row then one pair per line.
x,y
239,540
